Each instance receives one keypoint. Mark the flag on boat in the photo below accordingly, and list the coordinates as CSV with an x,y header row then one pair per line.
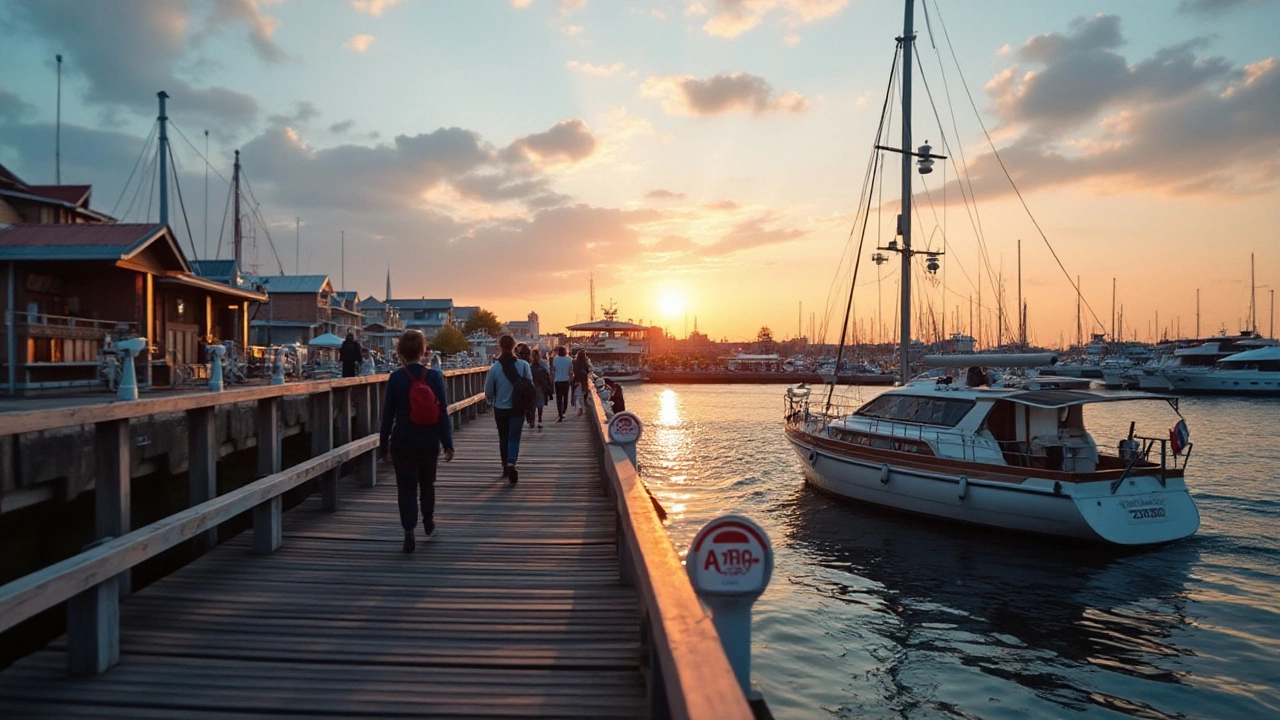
x,y
1179,437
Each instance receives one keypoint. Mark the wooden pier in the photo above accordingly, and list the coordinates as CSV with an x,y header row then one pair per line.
x,y
558,597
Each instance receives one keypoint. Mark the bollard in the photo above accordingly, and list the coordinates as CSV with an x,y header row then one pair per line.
x,y
729,565
277,370
128,375
215,367
624,430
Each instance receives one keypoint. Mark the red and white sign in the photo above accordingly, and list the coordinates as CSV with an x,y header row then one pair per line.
x,y
624,428
730,556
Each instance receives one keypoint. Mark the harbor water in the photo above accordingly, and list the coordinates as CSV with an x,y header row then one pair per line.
x,y
874,614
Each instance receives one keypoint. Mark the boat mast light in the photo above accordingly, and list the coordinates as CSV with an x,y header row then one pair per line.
x,y
924,158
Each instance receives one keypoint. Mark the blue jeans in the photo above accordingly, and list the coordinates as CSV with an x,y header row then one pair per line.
x,y
510,424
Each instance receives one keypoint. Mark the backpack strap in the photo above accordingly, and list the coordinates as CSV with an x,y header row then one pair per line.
x,y
510,371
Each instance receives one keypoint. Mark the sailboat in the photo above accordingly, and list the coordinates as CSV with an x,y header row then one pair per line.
x,y
1017,458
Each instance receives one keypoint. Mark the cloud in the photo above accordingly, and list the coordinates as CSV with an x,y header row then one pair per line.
x,y
1174,123
372,7
303,112
569,7
572,30
359,43
13,107
749,234
261,27
569,141
521,4
1214,7
732,18
127,51
718,94
661,194
341,128
595,70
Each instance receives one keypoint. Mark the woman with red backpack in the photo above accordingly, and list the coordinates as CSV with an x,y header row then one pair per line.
x,y
415,424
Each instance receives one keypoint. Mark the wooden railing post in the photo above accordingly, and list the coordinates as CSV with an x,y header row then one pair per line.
x,y
111,495
93,628
268,531
321,443
366,470
202,467
342,402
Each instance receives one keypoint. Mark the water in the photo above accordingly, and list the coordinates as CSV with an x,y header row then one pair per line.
x,y
873,614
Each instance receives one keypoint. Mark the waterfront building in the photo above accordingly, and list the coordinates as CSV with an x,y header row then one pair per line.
x,y
45,204
426,314
74,289
299,309
463,313
525,331
382,325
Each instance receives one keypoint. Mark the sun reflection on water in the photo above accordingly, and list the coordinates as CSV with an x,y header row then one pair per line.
x,y
668,409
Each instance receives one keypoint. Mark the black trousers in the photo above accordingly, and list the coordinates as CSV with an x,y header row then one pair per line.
x,y
562,397
416,485
510,424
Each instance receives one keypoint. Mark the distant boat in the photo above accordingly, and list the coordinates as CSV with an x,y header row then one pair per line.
x,y
1017,458
1253,372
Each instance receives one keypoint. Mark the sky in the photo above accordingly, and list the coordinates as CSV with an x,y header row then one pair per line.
x,y
701,161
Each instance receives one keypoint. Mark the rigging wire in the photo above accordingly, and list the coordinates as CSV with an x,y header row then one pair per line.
x,y
222,231
1005,170
262,223
178,186
141,153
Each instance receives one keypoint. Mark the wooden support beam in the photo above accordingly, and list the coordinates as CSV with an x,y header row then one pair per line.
x,y
112,489
366,466
268,517
202,467
93,628
321,443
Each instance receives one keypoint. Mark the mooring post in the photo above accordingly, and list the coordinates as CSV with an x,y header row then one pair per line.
x,y
202,467
268,531
111,494
321,443
729,564
366,464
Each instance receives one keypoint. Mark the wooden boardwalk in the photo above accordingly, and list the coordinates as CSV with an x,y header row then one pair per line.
x,y
515,611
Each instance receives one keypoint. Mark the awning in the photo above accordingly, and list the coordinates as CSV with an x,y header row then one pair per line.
x,y
326,340
1067,398
214,287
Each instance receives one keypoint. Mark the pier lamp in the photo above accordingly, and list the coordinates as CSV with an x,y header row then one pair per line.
x,y
129,349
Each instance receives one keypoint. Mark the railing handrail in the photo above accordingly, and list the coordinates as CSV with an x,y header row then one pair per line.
x,y
23,318
23,421
700,683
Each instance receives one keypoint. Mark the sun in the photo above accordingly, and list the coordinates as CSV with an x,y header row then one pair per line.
x,y
672,304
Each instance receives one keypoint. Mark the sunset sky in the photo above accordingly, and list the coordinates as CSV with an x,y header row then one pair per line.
x,y
699,158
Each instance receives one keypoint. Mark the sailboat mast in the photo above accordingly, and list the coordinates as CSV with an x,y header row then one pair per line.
x,y
163,119
904,219
1253,298
235,192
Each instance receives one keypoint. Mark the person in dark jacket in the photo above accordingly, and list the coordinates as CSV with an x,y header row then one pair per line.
x,y
350,354
415,449
616,398
581,376
499,390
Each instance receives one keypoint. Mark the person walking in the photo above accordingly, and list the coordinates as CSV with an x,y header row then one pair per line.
x,y
561,365
581,377
616,398
542,385
525,353
350,354
499,389
413,444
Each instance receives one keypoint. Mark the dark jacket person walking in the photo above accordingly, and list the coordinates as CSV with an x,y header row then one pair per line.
x,y
350,354
415,448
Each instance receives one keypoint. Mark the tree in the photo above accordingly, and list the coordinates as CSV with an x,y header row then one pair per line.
x,y
483,321
449,340
765,335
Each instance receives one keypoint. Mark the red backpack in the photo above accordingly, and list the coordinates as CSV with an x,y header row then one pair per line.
x,y
424,409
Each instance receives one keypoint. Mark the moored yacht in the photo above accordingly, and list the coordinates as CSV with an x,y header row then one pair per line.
x,y
1253,372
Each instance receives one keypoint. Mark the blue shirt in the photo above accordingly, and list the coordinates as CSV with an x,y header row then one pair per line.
x,y
561,364
397,431
498,389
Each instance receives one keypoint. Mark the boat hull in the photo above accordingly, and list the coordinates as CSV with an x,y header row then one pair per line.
x,y
1140,512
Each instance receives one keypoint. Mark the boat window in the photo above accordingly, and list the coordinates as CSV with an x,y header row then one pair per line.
x,y
945,412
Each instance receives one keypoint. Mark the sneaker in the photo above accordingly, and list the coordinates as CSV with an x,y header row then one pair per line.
x,y
431,536
409,543
539,426
560,419
513,475
506,470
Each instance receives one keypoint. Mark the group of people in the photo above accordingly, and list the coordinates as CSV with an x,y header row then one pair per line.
x,y
519,384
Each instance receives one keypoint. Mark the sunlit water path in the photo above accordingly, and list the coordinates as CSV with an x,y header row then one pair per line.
x,y
879,615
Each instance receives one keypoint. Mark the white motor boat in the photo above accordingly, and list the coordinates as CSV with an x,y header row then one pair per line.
x,y
1253,372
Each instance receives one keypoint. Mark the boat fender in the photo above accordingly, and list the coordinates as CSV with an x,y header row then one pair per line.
x,y
813,457
964,486
884,474
1057,487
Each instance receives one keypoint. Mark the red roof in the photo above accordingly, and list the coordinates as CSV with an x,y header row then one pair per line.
x,y
100,235
74,194
8,178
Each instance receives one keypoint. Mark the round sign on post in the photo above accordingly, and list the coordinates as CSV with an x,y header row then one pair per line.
x,y
730,556
624,428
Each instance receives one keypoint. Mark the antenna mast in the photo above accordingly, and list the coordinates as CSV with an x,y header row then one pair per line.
x,y
238,234
592,315
57,136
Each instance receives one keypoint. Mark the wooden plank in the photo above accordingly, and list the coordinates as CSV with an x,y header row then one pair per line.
x,y
39,591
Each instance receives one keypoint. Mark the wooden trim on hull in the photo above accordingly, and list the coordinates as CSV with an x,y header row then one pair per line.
x,y
940,465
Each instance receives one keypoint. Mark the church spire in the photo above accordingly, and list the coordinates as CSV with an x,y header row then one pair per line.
x,y
388,297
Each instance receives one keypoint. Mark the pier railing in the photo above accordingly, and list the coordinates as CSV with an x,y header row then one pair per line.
x,y
92,581
689,674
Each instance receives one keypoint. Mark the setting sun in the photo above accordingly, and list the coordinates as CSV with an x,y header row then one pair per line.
x,y
672,304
